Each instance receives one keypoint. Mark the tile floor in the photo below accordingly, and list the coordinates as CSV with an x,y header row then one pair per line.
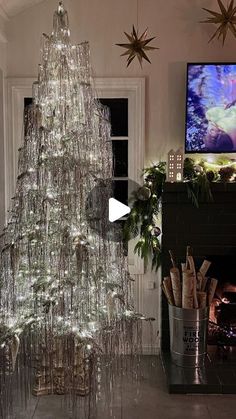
x,y
149,401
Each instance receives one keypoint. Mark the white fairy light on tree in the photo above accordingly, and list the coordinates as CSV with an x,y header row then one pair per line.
x,y
64,289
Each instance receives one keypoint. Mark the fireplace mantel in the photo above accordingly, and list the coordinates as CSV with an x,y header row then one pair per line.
x,y
180,187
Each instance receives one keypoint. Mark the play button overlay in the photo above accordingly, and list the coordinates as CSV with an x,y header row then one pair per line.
x,y
106,209
117,210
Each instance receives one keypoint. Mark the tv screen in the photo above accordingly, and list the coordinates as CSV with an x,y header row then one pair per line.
x,y
211,108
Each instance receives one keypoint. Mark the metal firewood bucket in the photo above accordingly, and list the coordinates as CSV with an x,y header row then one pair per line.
x,y
188,335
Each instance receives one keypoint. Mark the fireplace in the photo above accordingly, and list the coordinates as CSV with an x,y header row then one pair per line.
x,y
211,232
222,319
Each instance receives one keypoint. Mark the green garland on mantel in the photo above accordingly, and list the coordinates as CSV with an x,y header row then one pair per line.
x,y
143,220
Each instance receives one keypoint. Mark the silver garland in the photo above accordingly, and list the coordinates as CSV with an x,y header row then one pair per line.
x,y
65,295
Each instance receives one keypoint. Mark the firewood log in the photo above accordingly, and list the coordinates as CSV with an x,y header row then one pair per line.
x,y
167,285
176,286
172,258
187,289
193,270
205,266
167,296
204,283
202,299
188,253
199,281
183,267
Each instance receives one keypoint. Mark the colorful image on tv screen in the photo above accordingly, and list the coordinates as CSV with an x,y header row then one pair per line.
x,y
211,108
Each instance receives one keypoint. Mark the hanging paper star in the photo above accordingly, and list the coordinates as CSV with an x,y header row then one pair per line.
x,y
137,46
226,20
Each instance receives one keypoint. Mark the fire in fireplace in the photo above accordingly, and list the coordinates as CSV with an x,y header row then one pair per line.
x,y
222,319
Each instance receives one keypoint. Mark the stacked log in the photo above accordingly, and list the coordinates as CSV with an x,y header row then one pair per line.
x,y
189,288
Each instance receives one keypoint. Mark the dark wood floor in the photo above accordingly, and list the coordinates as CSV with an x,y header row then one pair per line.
x,y
217,376
147,400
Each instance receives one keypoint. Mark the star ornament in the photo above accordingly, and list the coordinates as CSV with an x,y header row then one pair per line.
x,y
226,20
137,46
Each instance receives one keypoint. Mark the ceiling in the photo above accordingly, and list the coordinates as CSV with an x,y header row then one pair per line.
x,y
10,8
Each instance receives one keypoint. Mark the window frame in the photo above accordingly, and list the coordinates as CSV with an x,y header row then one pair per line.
x,y
131,88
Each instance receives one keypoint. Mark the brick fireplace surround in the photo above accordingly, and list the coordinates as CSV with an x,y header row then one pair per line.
x,y
211,231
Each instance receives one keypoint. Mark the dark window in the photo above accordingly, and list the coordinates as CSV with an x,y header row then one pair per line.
x,y
120,158
120,191
27,101
121,223
119,116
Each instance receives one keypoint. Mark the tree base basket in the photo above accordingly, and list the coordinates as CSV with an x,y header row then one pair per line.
x,y
6,365
8,355
65,369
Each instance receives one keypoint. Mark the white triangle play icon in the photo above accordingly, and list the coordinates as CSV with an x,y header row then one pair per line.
x,y
117,210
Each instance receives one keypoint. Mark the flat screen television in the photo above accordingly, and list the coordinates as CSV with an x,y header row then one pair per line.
x,y
211,108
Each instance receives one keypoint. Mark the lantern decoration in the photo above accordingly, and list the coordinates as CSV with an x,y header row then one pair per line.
x,y
175,166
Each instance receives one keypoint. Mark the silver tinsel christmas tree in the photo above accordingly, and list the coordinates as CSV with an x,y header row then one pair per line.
x,y
64,288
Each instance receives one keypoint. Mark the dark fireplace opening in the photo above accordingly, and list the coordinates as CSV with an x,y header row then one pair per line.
x,y
222,317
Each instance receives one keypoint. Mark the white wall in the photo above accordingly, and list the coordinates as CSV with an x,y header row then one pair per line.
x,y
2,166
3,64
181,39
